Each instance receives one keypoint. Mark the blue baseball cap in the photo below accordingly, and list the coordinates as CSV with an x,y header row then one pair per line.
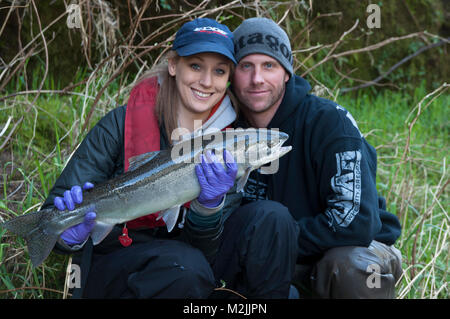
x,y
204,35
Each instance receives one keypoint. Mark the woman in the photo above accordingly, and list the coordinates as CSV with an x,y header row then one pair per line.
x,y
141,259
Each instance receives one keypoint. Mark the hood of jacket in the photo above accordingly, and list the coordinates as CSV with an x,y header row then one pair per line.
x,y
296,90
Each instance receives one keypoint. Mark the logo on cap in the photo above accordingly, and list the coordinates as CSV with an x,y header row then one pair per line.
x,y
211,30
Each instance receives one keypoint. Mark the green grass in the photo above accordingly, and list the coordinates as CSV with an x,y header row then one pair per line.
x,y
30,163
414,184
413,177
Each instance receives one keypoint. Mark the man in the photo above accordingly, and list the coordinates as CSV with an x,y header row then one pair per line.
x,y
327,181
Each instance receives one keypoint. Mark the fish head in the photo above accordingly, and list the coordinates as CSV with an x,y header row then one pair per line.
x,y
264,146
250,148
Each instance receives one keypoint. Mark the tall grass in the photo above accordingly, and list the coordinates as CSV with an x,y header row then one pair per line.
x,y
30,164
410,133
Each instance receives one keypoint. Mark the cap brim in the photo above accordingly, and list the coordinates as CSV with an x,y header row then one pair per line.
x,y
196,48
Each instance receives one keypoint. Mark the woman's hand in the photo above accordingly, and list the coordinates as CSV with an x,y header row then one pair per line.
x,y
214,180
79,233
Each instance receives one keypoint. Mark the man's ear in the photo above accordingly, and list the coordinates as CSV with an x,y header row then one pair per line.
x,y
286,77
172,66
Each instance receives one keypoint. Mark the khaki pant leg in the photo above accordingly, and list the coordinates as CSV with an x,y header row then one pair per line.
x,y
357,272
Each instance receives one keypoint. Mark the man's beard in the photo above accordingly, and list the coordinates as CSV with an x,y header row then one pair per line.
x,y
279,95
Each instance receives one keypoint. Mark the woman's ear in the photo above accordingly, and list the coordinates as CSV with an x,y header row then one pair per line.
x,y
172,66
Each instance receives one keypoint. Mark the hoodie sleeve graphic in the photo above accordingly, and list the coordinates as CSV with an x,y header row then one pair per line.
x,y
345,202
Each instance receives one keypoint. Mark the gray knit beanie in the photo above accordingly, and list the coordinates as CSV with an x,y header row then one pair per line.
x,y
262,35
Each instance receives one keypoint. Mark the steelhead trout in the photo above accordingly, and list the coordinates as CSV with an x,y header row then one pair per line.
x,y
159,181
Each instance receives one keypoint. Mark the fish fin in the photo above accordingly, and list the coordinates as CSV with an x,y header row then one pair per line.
x,y
100,231
170,216
266,168
243,180
139,160
38,231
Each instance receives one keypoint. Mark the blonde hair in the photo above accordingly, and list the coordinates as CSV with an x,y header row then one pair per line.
x,y
168,96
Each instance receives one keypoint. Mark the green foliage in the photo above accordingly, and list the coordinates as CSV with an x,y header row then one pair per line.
x,y
30,164
412,175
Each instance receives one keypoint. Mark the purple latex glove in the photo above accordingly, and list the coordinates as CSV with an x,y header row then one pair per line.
x,y
78,233
214,180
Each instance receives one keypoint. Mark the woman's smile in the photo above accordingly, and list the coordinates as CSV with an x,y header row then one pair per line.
x,y
200,94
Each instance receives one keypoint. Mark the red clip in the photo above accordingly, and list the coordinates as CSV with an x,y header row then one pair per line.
x,y
124,239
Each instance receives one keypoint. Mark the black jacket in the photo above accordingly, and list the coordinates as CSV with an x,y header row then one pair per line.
x,y
101,157
328,179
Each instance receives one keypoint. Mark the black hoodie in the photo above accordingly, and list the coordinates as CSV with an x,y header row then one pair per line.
x,y
328,179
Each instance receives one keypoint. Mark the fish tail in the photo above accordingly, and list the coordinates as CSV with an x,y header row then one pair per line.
x,y
36,228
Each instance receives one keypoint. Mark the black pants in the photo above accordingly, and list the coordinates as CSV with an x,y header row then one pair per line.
x,y
256,259
159,268
258,252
